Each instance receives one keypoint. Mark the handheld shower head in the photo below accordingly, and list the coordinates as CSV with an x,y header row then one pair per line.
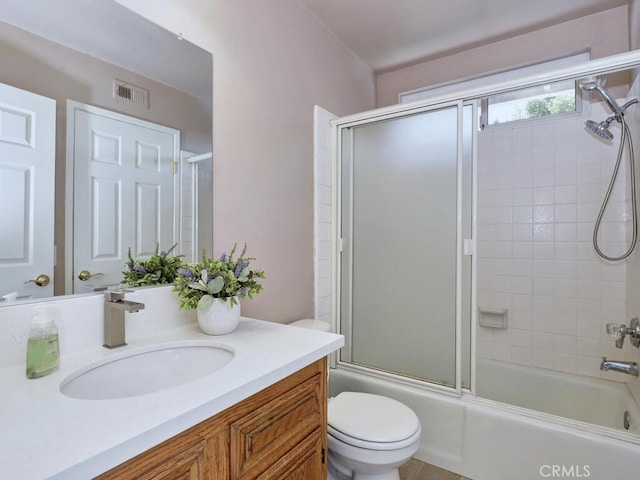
x,y
589,83
597,83
601,129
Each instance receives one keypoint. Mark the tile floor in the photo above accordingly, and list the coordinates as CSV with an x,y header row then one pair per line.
x,y
417,470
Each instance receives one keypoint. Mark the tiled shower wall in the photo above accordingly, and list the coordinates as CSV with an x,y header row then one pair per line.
x,y
323,198
540,186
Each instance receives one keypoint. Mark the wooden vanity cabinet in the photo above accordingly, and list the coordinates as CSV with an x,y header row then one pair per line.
x,y
278,433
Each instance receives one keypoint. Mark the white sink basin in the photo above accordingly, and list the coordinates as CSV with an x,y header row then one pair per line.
x,y
146,370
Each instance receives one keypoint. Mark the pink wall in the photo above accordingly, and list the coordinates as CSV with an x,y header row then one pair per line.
x,y
604,34
634,24
273,61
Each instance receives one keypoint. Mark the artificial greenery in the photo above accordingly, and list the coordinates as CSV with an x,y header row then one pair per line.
x,y
161,268
199,283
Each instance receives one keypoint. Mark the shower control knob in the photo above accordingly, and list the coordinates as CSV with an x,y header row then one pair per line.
x,y
619,331
616,330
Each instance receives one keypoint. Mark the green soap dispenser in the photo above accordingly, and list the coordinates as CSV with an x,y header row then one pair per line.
x,y
43,347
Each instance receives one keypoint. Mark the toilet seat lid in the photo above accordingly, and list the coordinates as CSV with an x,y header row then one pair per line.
x,y
372,418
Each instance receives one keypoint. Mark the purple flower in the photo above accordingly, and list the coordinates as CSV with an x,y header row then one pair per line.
x,y
163,254
140,269
223,257
185,273
239,268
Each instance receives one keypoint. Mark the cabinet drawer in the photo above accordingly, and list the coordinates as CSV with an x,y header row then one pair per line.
x,y
304,462
263,436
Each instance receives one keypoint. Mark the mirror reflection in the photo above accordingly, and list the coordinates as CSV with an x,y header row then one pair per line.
x,y
105,145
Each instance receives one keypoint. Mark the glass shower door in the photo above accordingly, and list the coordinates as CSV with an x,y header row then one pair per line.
x,y
401,240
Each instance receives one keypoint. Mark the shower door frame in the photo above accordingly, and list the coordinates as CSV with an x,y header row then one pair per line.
x,y
463,246
627,60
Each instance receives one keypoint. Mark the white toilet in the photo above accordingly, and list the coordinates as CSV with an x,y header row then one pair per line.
x,y
370,436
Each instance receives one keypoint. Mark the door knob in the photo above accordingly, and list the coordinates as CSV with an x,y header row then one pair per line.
x,y
41,280
84,275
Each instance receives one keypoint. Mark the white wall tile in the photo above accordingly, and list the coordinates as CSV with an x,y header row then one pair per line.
x,y
560,291
522,355
543,232
543,214
322,214
566,344
502,352
566,193
543,341
543,196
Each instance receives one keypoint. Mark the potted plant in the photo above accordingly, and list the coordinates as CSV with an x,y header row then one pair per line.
x,y
161,268
214,286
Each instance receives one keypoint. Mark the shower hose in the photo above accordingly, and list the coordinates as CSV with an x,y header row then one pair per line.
x,y
625,138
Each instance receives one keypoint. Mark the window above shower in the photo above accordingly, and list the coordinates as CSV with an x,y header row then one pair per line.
x,y
555,98
520,104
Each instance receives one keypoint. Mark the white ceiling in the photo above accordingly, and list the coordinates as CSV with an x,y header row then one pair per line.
x,y
387,34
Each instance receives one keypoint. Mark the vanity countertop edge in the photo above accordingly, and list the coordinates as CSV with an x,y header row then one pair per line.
x,y
46,435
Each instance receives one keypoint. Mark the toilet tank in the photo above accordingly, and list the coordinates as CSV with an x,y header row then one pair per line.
x,y
312,324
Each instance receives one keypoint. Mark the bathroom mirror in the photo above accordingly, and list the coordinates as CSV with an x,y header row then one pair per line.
x,y
98,54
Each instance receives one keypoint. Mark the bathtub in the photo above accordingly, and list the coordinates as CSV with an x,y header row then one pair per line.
x,y
485,439
585,399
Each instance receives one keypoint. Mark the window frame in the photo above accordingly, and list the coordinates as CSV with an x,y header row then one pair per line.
x,y
483,121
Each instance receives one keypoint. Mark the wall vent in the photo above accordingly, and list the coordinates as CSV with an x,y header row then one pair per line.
x,y
128,93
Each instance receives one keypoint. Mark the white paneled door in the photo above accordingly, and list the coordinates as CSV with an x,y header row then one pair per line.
x,y
27,172
124,192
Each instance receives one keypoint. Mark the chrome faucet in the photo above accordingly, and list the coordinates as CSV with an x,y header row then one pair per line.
x,y
630,368
114,308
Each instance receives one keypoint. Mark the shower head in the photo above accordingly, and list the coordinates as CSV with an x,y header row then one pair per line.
x,y
600,129
597,83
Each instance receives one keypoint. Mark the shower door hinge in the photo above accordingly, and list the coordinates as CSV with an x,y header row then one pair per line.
x,y
174,167
469,246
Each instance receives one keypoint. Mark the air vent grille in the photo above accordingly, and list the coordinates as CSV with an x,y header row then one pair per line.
x,y
128,93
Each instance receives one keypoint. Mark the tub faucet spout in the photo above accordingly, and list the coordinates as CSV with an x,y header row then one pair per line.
x,y
630,368
114,308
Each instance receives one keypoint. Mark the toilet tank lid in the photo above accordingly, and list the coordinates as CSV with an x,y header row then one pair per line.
x,y
312,324
373,418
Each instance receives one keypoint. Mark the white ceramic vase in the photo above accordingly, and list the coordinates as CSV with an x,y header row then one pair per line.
x,y
220,317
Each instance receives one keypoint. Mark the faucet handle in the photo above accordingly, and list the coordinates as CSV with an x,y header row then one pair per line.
x,y
115,295
616,330
634,332
619,331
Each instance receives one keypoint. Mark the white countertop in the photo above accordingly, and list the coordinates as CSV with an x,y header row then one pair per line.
x,y
46,435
